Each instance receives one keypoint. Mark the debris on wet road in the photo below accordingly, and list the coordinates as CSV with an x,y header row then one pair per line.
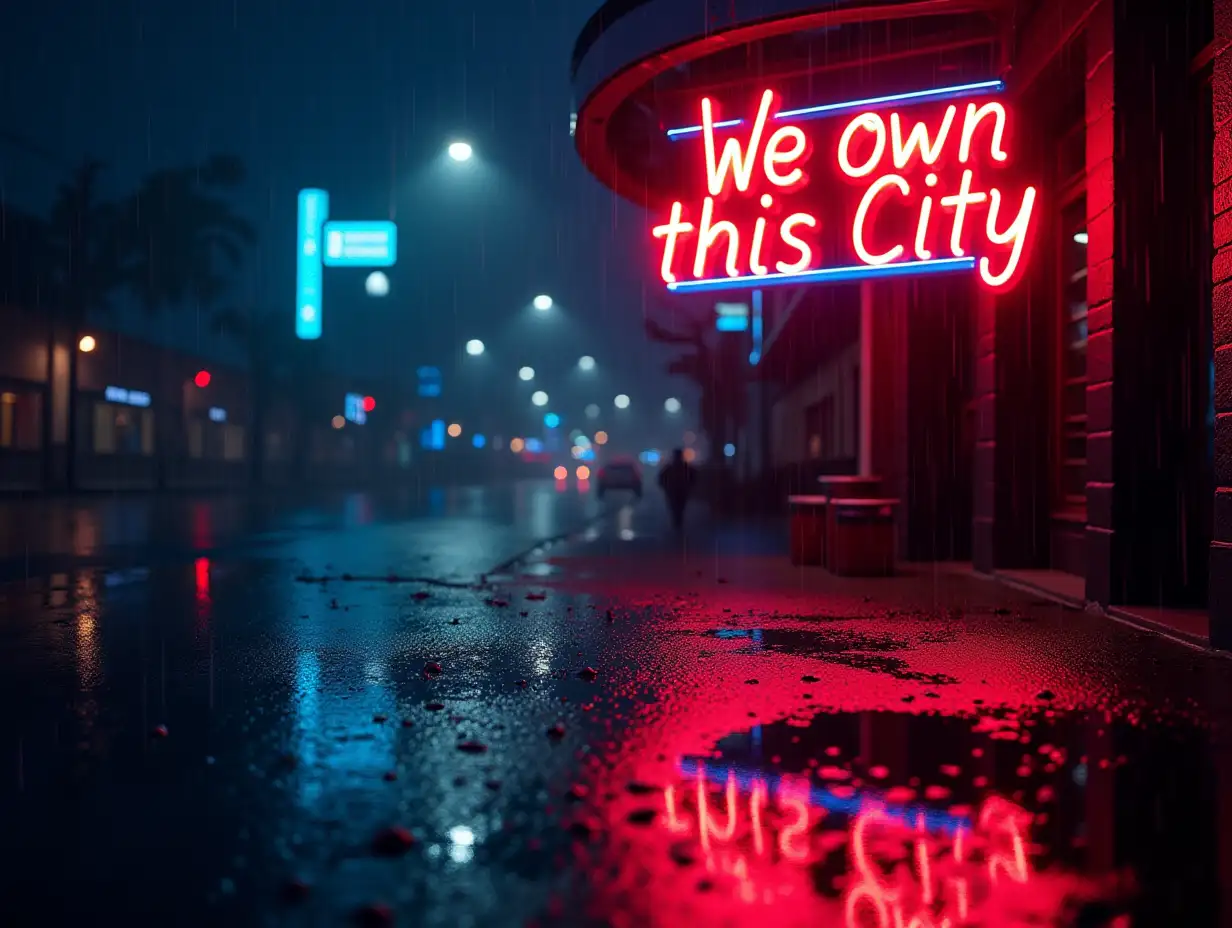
x,y
645,746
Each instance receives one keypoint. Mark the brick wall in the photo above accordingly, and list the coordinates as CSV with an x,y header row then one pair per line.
x,y
1221,312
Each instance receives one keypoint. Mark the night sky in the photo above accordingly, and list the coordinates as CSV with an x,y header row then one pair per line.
x,y
361,99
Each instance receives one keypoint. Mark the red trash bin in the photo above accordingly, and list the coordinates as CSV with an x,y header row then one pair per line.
x,y
861,537
808,530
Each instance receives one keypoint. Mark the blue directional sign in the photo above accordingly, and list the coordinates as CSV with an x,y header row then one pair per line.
x,y
313,211
322,243
361,244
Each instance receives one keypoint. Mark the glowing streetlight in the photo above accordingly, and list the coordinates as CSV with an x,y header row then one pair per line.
x,y
460,151
622,401
586,363
87,344
672,405
543,302
539,398
526,373
474,347
377,284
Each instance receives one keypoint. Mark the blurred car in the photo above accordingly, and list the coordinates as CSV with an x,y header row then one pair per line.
x,y
621,474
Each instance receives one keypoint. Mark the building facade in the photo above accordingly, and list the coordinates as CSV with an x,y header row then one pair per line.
x,y
1069,427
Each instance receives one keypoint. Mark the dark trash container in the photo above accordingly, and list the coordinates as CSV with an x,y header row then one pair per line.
x,y
861,536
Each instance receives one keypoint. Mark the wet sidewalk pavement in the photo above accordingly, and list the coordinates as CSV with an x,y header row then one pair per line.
x,y
615,729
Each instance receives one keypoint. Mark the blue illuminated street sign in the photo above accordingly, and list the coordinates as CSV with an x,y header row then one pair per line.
x,y
322,243
313,211
361,244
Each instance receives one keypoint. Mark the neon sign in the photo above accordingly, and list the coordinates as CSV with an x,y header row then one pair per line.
x,y
322,244
912,184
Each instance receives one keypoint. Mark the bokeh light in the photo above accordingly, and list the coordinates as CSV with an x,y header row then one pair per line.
x,y
526,373
690,455
561,472
592,411
622,401
672,405
461,151
478,440
516,445
539,398
377,284
600,437
87,343
551,420
583,473
454,430
586,363
474,347
337,422
543,302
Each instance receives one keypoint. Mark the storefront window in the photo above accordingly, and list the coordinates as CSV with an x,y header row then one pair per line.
x,y
123,429
1072,406
21,421
215,440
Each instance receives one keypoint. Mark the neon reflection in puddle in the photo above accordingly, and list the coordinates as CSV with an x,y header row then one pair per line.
x,y
908,866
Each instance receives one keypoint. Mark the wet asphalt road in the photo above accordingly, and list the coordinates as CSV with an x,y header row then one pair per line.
x,y
404,711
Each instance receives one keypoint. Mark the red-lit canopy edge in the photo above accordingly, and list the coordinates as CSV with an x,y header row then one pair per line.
x,y
598,108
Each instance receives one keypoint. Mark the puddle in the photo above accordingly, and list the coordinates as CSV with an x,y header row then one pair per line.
x,y
889,820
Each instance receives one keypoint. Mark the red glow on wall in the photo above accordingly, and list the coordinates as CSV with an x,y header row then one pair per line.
x,y
202,379
918,183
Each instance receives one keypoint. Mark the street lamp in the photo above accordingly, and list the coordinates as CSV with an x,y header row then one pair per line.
x,y
460,151
672,405
622,401
377,284
87,344
543,302
586,363
526,373
539,398
474,347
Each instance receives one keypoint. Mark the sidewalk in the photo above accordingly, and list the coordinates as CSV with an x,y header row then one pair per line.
x,y
749,559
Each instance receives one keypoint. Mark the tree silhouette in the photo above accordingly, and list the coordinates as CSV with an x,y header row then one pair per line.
x,y
184,240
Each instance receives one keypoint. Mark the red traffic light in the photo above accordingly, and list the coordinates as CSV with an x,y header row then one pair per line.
x,y
202,379
369,404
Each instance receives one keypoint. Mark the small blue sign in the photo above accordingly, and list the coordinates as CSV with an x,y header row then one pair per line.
x,y
353,409
429,381
361,244
313,211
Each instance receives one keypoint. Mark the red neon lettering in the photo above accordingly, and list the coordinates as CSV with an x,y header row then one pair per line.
x,y
806,253
773,160
857,229
671,230
740,163
775,157
1015,236
974,117
869,122
959,202
921,229
674,824
918,140
706,236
